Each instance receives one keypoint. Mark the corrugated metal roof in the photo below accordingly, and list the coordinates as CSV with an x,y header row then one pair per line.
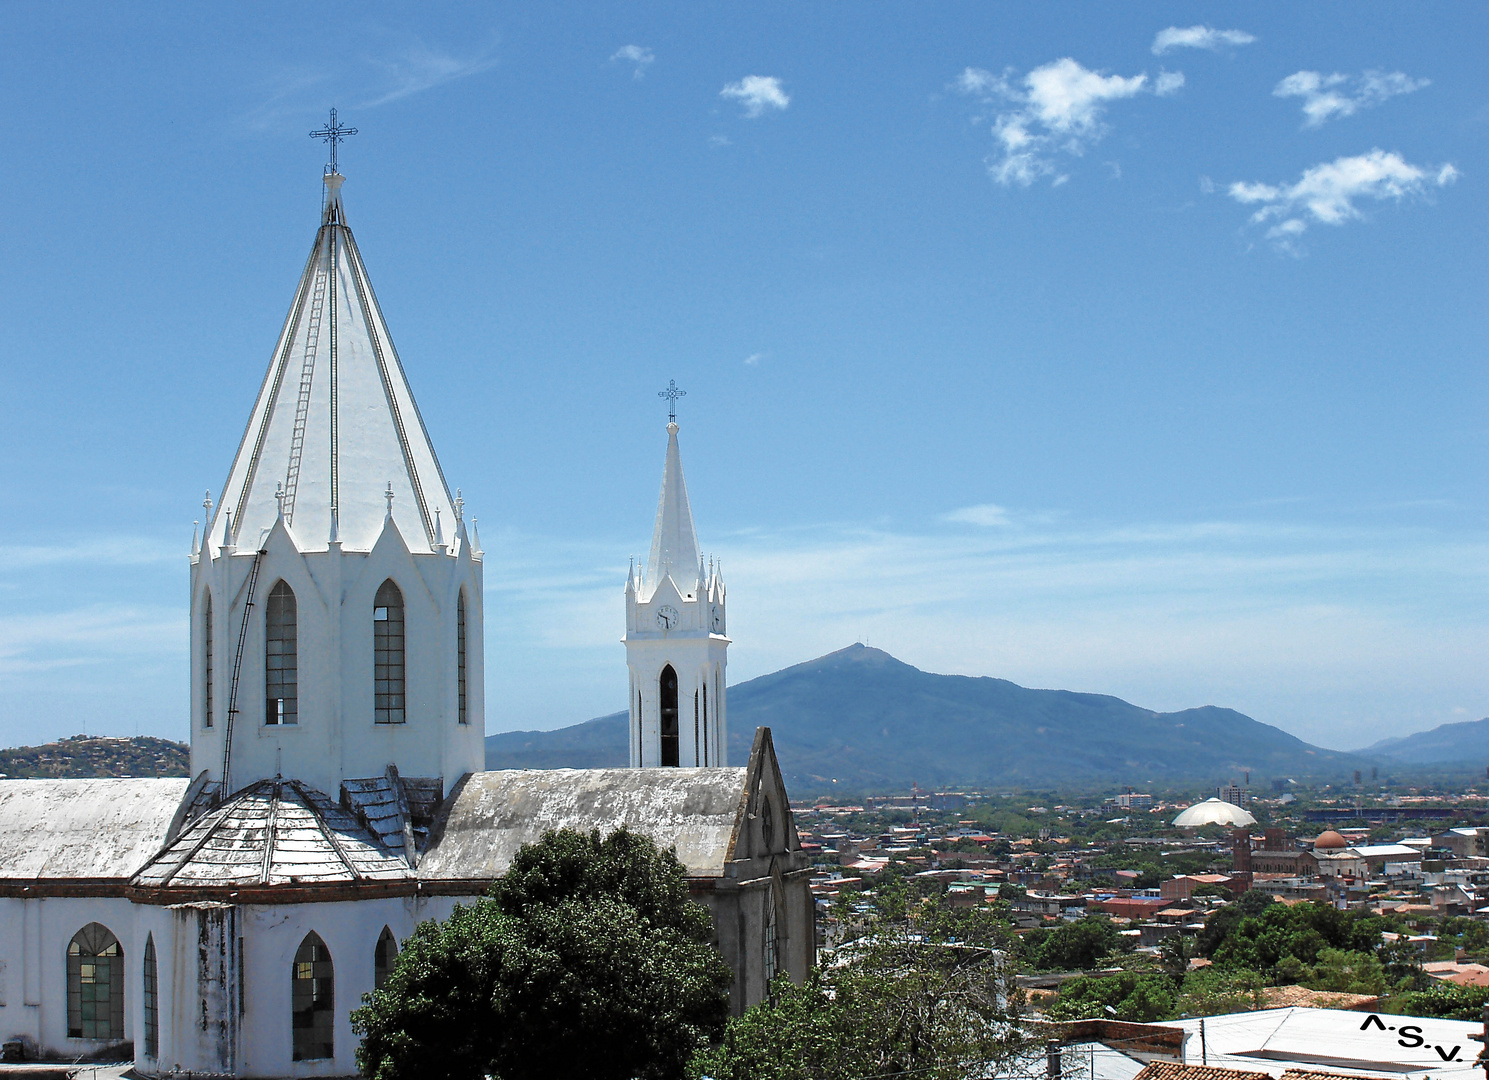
x,y
494,813
83,829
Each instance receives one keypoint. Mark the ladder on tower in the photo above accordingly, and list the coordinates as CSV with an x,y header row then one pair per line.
x,y
307,374
232,698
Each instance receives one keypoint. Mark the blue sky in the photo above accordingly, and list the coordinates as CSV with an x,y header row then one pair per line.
x,y
1125,348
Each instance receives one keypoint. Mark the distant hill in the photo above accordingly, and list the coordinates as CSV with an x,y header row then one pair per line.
x,y
866,720
1464,745
83,756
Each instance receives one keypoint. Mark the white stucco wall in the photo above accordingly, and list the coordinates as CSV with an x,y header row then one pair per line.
x,y
271,935
34,935
336,736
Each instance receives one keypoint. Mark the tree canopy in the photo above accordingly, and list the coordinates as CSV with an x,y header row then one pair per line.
x,y
587,960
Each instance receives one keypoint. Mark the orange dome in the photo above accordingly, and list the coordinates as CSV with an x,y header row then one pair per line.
x,y
1329,839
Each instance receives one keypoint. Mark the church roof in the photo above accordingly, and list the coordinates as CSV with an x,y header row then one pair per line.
x,y
492,814
335,422
83,830
674,544
275,833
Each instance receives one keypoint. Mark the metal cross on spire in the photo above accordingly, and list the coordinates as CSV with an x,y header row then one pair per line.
x,y
672,393
333,133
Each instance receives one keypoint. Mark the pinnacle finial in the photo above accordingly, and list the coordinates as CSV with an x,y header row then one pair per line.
x,y
207,505
388,494
195,546
439,531
279,496
459,506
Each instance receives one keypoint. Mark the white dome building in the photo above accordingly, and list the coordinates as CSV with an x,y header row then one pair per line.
x,y
1214,812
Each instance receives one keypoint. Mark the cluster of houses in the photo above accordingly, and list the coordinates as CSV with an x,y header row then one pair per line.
x,y
1421,878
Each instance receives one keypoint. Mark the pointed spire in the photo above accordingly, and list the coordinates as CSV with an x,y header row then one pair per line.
x,y
329,450
631,577
475,539
439,531
195,546
674,544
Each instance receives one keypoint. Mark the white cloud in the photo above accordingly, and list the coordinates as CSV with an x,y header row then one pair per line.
x,y
757,93
639,55
986,514
719,141
1327,193
1168,82
1198,37
1057,109
422,68
1328,96
754,359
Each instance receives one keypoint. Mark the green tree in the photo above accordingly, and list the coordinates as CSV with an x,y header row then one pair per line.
x,y
921,991
587,960
1135,996
1073,946
1216,991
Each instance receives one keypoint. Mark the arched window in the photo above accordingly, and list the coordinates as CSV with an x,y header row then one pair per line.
x,y
460,713
151,999
667,690
313,1000
772,959
207,663
383,957
95,984
696,743
705,720
281,661
387,655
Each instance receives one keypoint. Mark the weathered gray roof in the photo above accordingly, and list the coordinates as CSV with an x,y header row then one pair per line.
x,y
273,833
83,829
492,814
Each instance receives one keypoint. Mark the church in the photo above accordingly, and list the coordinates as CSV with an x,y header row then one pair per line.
x,y
229,923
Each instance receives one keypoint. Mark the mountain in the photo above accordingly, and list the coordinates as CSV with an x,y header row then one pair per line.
x,y
84,756
863,719
1464,744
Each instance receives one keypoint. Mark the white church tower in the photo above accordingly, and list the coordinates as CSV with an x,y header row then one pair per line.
x,y
675,643
336,597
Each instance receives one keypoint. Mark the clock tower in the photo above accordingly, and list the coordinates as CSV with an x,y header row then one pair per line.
x,y
675,639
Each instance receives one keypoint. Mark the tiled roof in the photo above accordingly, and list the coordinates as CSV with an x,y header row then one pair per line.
x,y
1168,1070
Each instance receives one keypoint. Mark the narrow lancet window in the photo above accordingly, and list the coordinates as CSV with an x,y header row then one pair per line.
x,y
150,987
383,958
460,705
95,984
772,956
705,720
207,662
696,743
313,1001
667,692
387,655
281,663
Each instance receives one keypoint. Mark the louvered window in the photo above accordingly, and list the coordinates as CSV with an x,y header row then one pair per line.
x,y
667,693
388,655
207,663
460,706
281,661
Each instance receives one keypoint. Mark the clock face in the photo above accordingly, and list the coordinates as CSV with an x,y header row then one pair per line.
x,y
667,616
